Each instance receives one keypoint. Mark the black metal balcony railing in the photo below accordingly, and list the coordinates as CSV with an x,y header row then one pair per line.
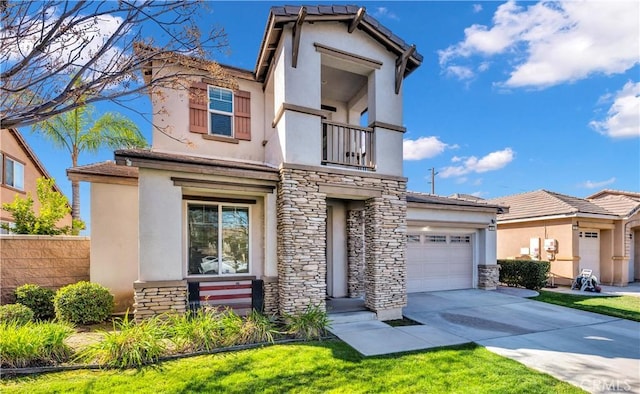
x,y
347,145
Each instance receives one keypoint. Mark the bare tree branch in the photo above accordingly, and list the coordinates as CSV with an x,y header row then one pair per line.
x,y
60,55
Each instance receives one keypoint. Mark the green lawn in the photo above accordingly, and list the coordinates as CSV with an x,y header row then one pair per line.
x,y
625,307
328,366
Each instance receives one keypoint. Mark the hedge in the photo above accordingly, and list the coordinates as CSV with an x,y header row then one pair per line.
x,y
529,274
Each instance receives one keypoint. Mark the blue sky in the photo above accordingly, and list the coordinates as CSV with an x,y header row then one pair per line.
x,y
511,97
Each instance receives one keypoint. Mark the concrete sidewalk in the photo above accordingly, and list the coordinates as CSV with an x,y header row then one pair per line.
x,y
595,352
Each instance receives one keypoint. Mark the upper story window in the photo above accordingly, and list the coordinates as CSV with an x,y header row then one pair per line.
x,y
219,112
13,174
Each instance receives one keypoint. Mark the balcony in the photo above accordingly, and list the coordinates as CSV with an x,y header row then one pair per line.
x,y
348,146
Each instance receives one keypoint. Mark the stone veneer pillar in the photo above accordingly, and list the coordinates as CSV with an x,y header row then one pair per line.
x,y
302,264
385,240
155,298
488,276
355,253
270,295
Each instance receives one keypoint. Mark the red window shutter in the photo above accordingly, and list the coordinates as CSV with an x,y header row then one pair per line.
x,y
242,115
198,111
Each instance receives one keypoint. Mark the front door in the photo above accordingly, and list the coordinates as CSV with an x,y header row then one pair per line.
x,y
336,249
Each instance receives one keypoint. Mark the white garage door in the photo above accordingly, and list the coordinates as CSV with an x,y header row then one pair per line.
x,y
589,250
439,262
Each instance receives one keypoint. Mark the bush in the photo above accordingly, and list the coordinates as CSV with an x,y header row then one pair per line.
x,y
39,299
16,314
194,331
33,344
258,328
129,344
308,325
529,274
83,303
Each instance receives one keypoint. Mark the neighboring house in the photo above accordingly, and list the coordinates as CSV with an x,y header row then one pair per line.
x,y
19,170
282,199
599,233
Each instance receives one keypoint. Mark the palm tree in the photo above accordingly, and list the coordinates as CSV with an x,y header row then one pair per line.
x,y
77,132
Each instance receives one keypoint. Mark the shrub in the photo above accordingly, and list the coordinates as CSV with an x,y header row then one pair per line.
x,y
529,274
308,325
83,303
16,313
39,299
129,345
33,344
258,328
194,331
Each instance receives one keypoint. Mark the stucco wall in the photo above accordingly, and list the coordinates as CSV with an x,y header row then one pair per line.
x,y
47,261
114,233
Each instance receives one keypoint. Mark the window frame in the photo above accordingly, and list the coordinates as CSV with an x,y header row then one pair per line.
x,y
6,158
219,112
186,251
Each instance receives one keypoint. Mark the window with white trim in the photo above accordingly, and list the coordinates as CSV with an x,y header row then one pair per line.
x,y
220,111
217,239
13,174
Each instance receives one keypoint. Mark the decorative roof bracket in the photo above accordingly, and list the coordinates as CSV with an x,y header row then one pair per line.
x,y
297,30
401,66
356,21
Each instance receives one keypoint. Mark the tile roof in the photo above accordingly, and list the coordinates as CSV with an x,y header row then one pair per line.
x,y
413,197
105,168
621,205
281,15
542,203
609,192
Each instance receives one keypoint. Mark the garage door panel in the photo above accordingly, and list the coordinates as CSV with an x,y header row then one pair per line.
x,y
434,266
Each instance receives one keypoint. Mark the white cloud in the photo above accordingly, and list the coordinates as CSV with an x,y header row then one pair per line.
x,y
623,117
555,42
477,8
491,162
383,12
460,72
423,148
598,185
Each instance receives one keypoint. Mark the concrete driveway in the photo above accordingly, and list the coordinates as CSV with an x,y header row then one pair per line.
x,y
595,352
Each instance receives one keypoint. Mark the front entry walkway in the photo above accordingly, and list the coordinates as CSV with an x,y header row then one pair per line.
x,y
595,352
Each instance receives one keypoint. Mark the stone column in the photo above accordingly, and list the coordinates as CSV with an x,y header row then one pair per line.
x,y
488,276
385,239
302,233
355,253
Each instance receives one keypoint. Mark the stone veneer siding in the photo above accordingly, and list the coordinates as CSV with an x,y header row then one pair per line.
x,y
270,296
44,260
355,253
302,264
302,233
155,298
488,276
385,239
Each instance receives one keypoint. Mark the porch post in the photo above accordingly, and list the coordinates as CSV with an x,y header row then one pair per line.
x,y
385,239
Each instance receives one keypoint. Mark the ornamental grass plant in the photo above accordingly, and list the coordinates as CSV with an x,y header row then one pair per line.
x,y
33,344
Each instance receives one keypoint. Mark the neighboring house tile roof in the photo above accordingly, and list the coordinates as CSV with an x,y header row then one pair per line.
x,y
413,197
106,168
541,203
621,205
609,192
281,15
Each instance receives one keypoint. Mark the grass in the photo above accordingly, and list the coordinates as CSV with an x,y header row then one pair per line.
x,y
312,367
625,307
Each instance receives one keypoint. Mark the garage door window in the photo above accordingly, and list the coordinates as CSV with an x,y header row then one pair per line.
x,y
413,239
460,239
436,239
589,234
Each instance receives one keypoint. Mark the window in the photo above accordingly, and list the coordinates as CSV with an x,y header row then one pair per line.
x,y
218,239
13,174
437,239
220,111
460,239
413,239
589,234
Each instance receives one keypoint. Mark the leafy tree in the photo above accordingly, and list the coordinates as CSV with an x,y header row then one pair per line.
x,y
60,55
76,132
53,207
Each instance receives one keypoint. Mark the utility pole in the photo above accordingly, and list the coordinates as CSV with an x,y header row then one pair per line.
x,y
433,180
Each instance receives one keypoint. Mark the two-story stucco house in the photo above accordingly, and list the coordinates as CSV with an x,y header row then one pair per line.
x,y
290,190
